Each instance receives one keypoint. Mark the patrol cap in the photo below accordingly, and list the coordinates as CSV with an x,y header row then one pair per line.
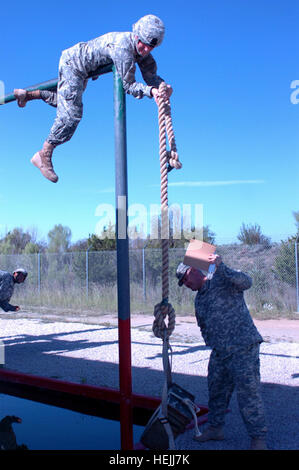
x,y
181,271
21,270
150,30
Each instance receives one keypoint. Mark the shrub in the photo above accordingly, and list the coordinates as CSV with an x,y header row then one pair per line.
x,y
252,235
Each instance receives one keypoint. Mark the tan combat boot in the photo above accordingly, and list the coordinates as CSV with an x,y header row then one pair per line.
x,y
23,96
43,161
211,433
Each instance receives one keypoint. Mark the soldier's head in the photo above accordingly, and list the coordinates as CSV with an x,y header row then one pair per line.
x,y
190,277
149,33
20,275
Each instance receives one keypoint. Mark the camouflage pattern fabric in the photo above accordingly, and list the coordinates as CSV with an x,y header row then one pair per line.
x,y
239,370
49,97
221,311
227,327
6,290
77,62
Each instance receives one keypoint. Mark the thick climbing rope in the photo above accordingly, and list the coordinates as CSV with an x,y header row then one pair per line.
x,y
168,159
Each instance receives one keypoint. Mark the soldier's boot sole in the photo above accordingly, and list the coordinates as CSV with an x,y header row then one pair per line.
x,y
46,170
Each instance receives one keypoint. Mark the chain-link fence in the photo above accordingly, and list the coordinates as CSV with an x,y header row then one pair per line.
x,y
81,281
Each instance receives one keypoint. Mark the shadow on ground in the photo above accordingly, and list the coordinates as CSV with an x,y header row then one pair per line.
x,y
41,355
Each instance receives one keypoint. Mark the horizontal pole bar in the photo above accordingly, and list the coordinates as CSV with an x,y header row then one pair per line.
x,y
85,390
52,84
72,388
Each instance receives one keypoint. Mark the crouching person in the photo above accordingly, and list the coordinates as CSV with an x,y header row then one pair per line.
x,y
227,327
7,285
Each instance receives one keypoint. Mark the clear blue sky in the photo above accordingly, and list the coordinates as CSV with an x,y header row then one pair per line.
x,y
231,64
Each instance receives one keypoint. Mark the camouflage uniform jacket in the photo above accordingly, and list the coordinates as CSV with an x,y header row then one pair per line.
x,y
119,48
6,290
221,311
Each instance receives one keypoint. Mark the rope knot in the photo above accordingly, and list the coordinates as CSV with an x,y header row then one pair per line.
x,y
173,159
165,123
161,311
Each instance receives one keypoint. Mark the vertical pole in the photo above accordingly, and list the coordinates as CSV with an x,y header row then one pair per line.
x,y
143,274
38,272
123,281
86,273
297,283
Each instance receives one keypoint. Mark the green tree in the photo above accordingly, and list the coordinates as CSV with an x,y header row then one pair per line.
x,y
80,245
15,241
179,240
252,235
101,257
32,248
59,239
19,241
105,241
284,263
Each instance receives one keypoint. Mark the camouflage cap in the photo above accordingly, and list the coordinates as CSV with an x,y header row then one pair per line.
x,y
21,270
181,271
150,30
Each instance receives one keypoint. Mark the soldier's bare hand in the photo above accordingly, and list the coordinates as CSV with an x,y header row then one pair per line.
x,y
155,94
169,90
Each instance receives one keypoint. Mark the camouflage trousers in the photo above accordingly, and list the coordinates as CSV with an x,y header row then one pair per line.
x,y
240,371
68,100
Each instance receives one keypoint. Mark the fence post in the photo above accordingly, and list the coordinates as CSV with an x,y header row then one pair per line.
x,y
86,269
143,274
38,273
86,272
296,267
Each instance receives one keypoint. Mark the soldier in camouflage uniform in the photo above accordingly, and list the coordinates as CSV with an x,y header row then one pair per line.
x,y
7,285
125,50
227,327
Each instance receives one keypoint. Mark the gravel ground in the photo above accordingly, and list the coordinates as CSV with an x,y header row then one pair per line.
x,y
86,351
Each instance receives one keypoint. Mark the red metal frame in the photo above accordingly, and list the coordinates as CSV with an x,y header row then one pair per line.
x,y
125,383
137,401
88,391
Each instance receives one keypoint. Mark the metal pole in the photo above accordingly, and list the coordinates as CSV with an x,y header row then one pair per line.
x,y
143,274
297,282
123,281
38,272
52,84
86,268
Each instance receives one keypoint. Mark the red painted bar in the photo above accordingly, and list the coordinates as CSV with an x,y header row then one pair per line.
x,y
88,391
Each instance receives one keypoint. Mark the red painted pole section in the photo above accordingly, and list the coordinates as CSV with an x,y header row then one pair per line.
x,y
125,384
